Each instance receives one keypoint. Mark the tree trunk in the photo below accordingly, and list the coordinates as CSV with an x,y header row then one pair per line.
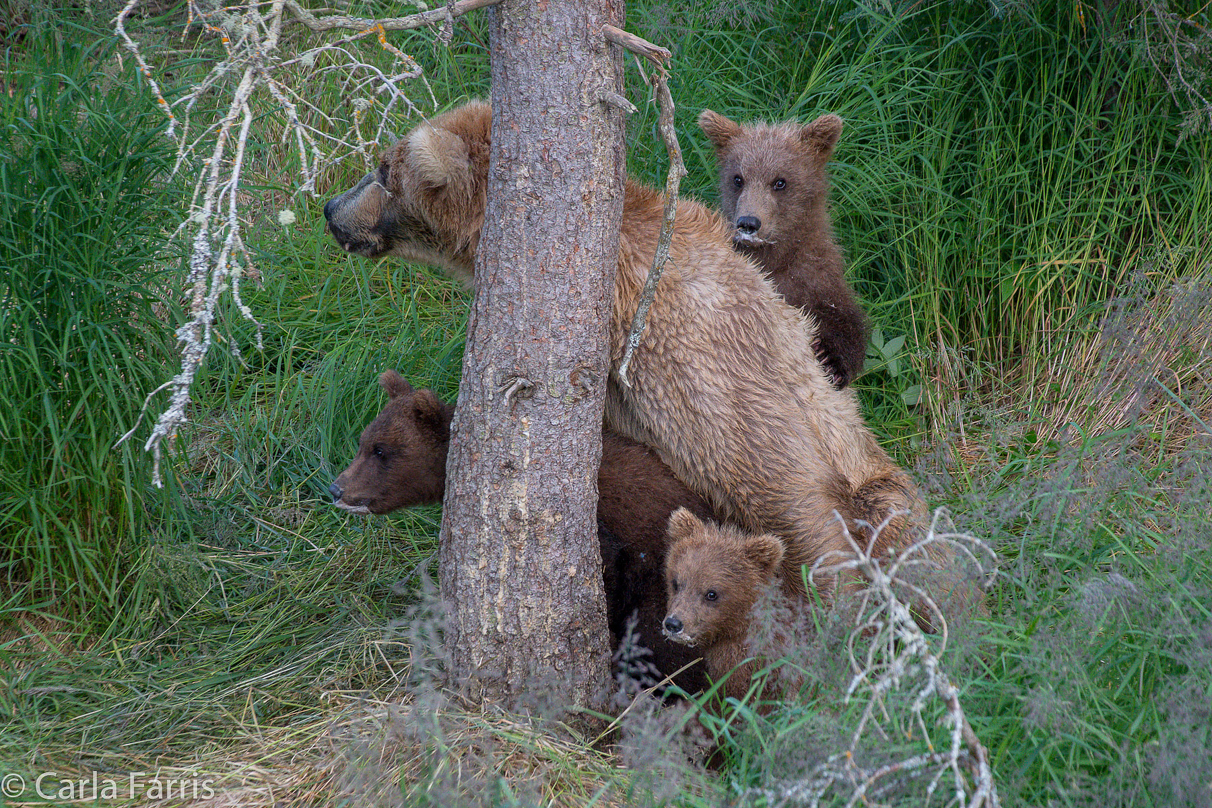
x,y
520,567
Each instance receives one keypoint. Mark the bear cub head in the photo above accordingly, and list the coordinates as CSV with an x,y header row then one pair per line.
x,y
425,202
401,458
714,575
772,177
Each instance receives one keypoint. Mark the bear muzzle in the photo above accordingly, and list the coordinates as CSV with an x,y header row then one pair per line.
x,y
338,493
673,629
367,247
355,218
746,232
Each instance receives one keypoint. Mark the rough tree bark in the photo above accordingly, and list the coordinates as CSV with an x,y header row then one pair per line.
x,y
520,569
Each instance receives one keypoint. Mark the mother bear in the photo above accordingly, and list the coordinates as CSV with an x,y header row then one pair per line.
x,y
725,385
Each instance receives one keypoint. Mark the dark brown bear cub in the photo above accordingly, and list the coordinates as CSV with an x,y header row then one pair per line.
x,y
401,462
714,576
774,191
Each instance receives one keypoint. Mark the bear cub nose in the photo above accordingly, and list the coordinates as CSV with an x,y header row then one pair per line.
x,y
336,492
673,625
748,224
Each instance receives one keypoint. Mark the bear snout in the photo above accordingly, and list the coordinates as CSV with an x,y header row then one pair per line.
x,y
354,216
674,629
745,232
338,494
344,240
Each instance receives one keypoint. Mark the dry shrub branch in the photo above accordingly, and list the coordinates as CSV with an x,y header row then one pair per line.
x,y
659,83
1178,46
251,63
889,652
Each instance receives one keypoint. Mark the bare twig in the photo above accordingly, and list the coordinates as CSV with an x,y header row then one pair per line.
x,y
1179,49
411,22
899,652
660,89
249,34
638,45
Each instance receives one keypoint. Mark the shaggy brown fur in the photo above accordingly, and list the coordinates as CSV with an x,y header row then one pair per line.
x,y
725,384
401,462
714,576
774,191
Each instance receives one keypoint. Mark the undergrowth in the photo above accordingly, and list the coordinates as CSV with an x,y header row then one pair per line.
x,y
83,300
1023,218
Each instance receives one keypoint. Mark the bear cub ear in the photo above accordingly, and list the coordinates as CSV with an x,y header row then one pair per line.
x,y
393,383
822,135
719,130
440,158
682,523
428,412
765,551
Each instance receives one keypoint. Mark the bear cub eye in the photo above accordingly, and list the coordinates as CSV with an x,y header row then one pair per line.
x,y
379,452
711,594
779,184
674,583
738,181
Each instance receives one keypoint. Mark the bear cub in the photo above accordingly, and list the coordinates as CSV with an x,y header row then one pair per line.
x,y
774,191
714,576
401,462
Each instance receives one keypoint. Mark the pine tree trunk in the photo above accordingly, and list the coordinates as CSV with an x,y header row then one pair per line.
x,y
520,567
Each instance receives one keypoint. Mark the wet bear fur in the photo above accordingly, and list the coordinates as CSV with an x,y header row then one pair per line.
x,y
725,384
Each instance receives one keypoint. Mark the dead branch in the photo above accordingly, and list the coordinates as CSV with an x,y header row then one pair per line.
x,y
677,169
638,45
1177,47
249,34
409,23
899,653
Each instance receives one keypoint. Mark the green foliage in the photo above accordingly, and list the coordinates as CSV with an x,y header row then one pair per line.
x,y
1002,183
999,177
83,328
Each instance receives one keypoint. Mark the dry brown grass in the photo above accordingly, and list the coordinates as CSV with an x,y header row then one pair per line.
x,y
361,749
1150,363
41,633
1147,363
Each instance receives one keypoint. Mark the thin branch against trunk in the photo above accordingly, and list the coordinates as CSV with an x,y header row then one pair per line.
x,y
677,169
409,23
673,181
638,45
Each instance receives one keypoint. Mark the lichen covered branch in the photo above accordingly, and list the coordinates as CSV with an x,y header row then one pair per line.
x,y
249,62
898,657
677,169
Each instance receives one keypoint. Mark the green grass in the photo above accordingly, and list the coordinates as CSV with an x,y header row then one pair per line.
x,y
81,328
1022,219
